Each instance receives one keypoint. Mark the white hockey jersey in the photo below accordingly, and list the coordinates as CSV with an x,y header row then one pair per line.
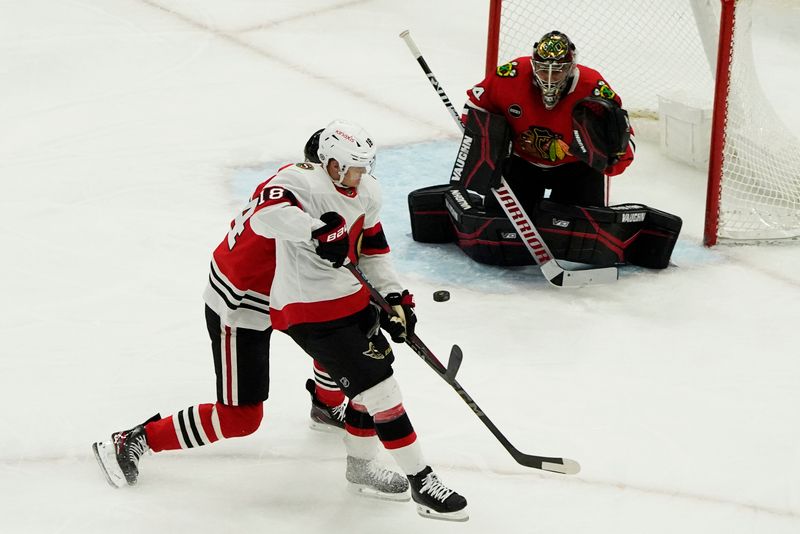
x,y
241,273
305,287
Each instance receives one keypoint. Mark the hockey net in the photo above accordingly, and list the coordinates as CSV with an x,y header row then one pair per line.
x,y
651,48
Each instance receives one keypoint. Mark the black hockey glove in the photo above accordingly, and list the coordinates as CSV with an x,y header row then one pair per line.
x,y
334,243
400,325
601,131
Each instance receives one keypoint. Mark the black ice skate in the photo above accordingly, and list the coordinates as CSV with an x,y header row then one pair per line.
x,y
367,478
119,457
323,417
434,499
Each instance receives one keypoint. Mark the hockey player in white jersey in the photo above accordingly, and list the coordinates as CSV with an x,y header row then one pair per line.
x,y
238,320
322,215
328,401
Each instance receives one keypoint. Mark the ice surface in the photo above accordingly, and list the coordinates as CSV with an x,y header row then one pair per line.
x,y
131,131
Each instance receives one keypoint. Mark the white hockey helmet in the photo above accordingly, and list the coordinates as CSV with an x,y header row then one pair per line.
x,y
349,144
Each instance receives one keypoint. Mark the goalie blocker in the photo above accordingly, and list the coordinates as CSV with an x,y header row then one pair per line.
x,y
628,233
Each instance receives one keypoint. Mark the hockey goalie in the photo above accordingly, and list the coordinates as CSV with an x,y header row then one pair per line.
x,y
463,211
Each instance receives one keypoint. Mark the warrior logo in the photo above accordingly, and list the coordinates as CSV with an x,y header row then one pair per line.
x,y
515,110
305,166
543,143
461,159
525,228
560,223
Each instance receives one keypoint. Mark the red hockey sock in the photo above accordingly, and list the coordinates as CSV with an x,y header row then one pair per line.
x,y
326,389
203,424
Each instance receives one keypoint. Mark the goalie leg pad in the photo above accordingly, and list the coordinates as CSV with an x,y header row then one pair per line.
x,y
429,220
627,233
486,143
485,237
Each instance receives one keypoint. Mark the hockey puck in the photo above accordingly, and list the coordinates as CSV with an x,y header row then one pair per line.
x,y
441,296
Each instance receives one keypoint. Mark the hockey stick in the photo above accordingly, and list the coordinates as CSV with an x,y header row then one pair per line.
x,y
553,272
556,465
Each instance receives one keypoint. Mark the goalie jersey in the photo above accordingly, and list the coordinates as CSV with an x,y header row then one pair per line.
x,y
541,136
273,234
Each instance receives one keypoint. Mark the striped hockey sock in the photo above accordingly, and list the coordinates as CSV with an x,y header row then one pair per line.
x,y
326,390
203,424
398,437
360,439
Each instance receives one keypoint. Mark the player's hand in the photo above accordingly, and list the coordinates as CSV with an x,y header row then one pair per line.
x,y
400,325
333,241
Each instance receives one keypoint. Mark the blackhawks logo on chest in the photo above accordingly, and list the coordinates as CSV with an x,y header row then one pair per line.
x,y
543,143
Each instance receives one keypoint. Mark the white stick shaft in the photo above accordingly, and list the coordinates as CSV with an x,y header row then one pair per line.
x,y
406,36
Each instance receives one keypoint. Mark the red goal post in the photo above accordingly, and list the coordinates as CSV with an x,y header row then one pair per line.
x,y
699,48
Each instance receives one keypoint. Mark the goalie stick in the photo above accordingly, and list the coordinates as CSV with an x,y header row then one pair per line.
x,y
553,271
564,466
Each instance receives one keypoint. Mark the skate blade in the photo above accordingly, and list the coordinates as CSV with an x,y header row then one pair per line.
x,y
363,490
459,515
104,454
324,427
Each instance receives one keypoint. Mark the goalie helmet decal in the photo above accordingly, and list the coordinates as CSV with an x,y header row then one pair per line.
x,y
554,46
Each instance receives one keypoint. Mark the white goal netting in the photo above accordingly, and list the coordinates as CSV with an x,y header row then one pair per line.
x,y
647,48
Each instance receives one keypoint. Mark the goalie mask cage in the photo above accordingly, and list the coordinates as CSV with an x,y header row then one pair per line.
x,y
647,48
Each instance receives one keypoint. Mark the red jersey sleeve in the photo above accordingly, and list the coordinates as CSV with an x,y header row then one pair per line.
x,y
481,96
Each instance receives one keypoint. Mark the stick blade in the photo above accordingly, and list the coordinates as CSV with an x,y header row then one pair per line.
x,y
563,466
560,277
453,364
569,467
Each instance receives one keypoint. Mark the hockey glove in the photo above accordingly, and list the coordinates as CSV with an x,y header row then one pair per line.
x,y
400,325
333,241
601,131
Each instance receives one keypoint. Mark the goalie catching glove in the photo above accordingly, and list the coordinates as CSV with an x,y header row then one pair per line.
x,y
333,241
600,132
401,324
